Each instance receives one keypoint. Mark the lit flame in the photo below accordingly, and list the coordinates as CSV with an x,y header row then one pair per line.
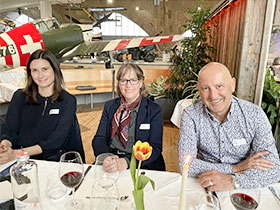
x,y
188,159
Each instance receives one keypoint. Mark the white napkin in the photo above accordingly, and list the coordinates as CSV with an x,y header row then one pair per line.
x,y
6,192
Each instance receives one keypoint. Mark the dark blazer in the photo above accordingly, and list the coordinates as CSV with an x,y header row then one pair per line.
x,y
148,113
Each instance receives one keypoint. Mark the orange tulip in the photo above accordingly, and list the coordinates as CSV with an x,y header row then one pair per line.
x,y
142,151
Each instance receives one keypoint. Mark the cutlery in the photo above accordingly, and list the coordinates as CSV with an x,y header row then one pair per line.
x,y
77,187
122,198
274,192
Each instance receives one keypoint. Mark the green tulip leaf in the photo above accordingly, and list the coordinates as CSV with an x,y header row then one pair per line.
x,y
143,181
133,168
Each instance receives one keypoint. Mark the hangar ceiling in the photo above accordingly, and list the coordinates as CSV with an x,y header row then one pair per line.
x,y
167,17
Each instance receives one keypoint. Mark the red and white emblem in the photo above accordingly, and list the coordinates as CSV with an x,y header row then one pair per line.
x,y
17,45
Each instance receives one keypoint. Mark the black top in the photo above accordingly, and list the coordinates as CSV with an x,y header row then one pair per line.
x,y
51,125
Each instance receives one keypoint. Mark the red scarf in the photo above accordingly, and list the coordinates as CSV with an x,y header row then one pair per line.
x,y
120,127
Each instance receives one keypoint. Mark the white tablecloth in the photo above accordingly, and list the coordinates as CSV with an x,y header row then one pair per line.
x,y
178,111
165,197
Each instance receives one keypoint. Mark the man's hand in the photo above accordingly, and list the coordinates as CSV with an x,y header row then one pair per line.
x,y
215,181
253,162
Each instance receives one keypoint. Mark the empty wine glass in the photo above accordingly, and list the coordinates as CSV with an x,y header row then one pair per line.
x,y
71,172
106,169
201,201
245,199
105,193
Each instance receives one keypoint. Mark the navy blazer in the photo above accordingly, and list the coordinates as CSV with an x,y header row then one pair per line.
x,y
148,113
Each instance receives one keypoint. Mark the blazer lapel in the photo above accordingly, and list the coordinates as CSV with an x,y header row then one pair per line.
x,y
142,115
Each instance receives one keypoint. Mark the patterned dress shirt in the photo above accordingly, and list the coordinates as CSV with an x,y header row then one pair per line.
x,y
216,146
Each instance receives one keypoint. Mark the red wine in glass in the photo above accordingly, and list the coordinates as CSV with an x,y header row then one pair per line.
x,y
71,172
243,201
71,179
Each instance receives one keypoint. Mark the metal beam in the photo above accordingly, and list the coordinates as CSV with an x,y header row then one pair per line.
x,y
8,5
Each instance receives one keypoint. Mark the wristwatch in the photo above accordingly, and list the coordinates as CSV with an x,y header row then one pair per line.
x,y
235,182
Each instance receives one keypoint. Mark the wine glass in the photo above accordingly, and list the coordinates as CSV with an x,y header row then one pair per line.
x,y
105,193
106,169
71,172
245,199
196,200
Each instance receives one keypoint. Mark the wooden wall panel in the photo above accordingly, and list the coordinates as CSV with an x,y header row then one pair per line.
x,y
238,33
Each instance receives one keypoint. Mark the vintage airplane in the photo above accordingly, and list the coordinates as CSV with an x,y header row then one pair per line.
x,y
17,44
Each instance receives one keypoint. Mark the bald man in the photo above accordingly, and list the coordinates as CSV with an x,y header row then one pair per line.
x,y
230,139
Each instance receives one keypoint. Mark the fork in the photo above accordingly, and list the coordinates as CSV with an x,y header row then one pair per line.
x,y
274,192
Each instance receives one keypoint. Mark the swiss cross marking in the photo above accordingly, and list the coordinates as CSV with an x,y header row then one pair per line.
x,y
30,46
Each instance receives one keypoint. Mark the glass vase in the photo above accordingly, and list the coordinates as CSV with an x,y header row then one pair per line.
x,y
138,198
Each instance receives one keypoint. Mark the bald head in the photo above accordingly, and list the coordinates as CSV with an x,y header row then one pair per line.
x,y
215,86
214,68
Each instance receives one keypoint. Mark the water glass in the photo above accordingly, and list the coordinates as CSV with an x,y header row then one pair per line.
x,y
104,198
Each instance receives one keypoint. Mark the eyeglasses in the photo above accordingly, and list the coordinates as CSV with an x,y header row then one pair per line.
x,y
125,81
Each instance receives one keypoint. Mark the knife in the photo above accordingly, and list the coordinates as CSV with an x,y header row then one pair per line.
x,y
77,187
274,192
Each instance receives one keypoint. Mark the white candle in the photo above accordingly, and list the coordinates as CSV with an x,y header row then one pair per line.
x,y
182,201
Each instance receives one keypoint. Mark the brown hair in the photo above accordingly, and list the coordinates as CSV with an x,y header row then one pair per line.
x,y
139,73
31,88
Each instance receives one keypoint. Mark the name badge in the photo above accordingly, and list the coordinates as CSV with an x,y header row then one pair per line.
x,y
238,142
144,127
54,111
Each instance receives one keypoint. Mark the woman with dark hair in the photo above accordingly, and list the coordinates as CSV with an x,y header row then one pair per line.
x,y
129,118
41,118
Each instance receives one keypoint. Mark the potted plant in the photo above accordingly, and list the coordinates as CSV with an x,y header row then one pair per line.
x,y
192,56
271,105
157,91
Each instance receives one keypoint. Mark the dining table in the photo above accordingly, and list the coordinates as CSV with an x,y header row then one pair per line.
x,y
164,197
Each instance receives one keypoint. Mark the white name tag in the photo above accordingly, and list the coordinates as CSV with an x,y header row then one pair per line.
x,y
54,111
144,127
238,142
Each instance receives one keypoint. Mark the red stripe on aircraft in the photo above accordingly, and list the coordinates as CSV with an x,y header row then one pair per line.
x,y
149,41
122,44
17,35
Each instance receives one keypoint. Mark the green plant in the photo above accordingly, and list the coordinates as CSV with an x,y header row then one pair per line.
x,y
193,55
157,87
270,102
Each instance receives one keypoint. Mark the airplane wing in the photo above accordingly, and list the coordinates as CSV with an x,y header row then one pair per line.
x,y
103,46
86,48
138,42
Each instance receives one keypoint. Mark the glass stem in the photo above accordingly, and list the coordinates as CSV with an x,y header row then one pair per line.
x,y
74,202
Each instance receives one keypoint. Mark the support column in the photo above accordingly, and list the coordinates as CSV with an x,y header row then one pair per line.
x,y
45,9
254,44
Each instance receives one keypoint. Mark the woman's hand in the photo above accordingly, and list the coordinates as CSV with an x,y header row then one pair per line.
x,y
122,164
253,162
7,154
